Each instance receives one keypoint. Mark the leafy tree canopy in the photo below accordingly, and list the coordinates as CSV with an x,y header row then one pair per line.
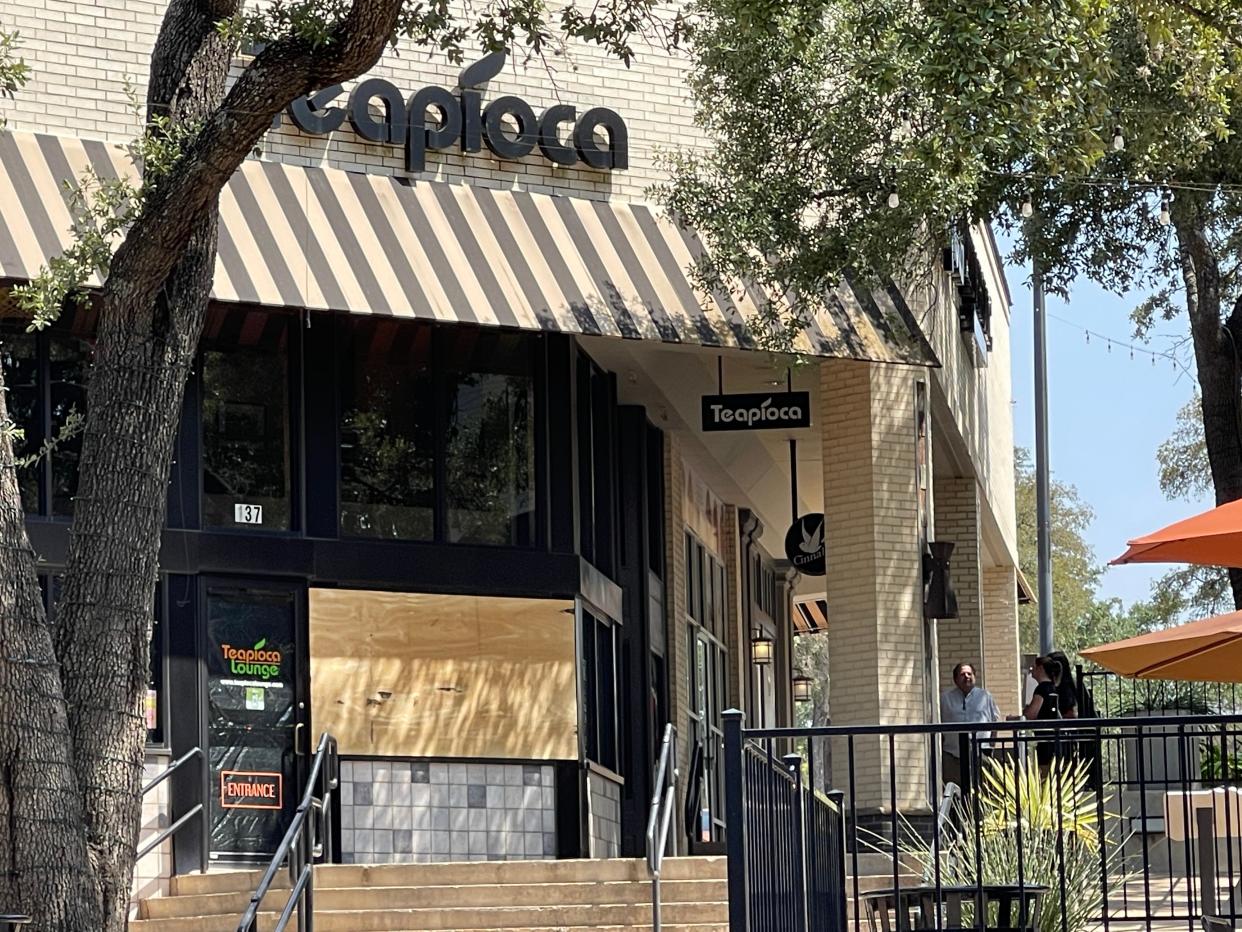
x,y
837,127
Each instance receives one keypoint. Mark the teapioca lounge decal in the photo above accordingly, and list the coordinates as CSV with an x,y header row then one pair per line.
x,y
254,663
508,125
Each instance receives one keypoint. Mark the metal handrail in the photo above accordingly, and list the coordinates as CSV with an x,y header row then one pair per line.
x,y
663,803
198,809
301,845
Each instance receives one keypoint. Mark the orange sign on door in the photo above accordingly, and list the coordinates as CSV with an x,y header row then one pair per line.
x,y
240,789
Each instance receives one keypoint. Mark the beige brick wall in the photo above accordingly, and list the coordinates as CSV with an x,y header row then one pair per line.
x,y
956,517
876,651
81,54
1001,655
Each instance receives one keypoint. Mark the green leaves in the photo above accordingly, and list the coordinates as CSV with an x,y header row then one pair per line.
x,y
801,105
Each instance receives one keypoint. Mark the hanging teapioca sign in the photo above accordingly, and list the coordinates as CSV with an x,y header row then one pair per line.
x,y
757,411
508,125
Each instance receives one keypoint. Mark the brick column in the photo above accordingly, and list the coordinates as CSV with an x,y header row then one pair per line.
x,y
874,581
955,509
1001,652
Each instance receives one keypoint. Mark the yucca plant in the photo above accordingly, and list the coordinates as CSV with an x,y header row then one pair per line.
x,y
1034,827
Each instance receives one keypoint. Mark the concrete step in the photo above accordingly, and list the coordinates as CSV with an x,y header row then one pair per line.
x,y
456,873
475,895
383,919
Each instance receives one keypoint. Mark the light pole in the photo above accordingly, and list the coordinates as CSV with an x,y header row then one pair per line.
x,y
1043,507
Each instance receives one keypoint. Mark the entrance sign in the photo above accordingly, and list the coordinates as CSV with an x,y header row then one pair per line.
x,y
508,126
757,411
241,789
804,545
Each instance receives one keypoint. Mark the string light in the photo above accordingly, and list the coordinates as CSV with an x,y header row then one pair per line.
x,y
894,199
1119,140
1135,350
1166,215
1028,209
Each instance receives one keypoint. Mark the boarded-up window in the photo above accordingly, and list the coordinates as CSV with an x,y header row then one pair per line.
x,y
418,675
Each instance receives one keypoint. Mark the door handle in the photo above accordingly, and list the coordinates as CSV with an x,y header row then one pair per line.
x,y
297,743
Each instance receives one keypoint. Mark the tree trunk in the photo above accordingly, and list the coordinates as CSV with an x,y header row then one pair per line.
x,y
44,869
1216,346
143,355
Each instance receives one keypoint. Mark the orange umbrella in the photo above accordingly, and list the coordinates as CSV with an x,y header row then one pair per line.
x,y
1213,538
1209,650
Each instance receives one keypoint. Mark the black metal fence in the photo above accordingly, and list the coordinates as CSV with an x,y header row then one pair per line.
x,y
1113,696
797,883
1132,822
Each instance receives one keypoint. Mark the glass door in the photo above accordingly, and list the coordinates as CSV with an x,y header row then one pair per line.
x,y
255,717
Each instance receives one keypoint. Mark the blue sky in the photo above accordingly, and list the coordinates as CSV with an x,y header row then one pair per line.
x,y
1107,415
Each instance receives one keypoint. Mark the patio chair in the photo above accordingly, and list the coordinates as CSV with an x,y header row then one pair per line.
x,y
1216,924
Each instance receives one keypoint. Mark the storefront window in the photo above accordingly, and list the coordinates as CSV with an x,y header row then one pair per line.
x,y
246,463
45,377
388,433
19,356
490,459
599,665
489,467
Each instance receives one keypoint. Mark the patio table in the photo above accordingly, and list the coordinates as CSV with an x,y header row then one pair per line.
x,y
917,907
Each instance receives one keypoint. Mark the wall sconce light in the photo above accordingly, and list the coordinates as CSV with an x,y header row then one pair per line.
x,y
801,687
761,648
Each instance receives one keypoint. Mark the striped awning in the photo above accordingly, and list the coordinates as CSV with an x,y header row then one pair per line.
x,y
327,239
810,616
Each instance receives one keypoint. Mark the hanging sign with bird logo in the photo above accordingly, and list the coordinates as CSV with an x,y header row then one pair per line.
x,y
804,545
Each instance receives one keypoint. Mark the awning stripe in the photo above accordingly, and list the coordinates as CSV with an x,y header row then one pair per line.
x,y
278,269
327,239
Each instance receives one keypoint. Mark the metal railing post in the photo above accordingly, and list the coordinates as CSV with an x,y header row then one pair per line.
x,y
735,822
793,763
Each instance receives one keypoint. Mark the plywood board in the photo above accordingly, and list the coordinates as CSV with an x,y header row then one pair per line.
x,y
421,675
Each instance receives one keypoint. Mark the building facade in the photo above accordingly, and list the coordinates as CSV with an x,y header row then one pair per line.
x,y
450,483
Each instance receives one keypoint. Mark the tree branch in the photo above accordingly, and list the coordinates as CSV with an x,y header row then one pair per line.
x,y
285,69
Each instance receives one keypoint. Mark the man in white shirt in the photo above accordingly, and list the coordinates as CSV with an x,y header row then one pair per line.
x,y
962,703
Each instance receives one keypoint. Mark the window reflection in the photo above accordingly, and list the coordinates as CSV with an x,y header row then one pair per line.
x,y
387,433
489,452
246,464
19,356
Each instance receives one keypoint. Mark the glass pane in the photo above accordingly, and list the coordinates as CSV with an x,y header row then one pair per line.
x,y
607,711
18,355
246,462
703,677
70,360
490,459
590,686
387,433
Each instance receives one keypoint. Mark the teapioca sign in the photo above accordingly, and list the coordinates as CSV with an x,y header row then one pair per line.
x,y
508,126
756,411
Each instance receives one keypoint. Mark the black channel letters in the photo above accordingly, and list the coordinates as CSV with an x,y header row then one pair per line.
x,y
508,126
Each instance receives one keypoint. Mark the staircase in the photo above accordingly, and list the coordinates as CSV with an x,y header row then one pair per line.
x,y
533,896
